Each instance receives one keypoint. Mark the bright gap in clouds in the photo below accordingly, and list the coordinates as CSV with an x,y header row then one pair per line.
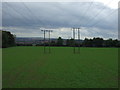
x,y
113,4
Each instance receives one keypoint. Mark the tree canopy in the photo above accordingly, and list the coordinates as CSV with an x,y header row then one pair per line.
x,y
59,41
8,39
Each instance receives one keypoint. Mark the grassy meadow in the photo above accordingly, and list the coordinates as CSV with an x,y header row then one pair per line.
x,y
29,67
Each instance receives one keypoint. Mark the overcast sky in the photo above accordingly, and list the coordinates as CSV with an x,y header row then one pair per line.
x,y
98,18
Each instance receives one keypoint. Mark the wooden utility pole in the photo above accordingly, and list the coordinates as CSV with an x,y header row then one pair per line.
x,y
74,46
45,51
73,40
78,40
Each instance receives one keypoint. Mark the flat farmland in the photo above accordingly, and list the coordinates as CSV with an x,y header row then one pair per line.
x,y
29,67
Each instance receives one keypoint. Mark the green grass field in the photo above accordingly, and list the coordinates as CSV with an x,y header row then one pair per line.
x,y
29,67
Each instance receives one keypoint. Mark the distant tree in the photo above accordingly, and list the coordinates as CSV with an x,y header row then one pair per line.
x,y
98,42
52,43
8,39
111,43
70,42
118,44
88,42
108,43
59,41
115,43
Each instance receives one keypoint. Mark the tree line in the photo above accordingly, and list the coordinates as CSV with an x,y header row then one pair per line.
x,y
95,42
100,42
8,40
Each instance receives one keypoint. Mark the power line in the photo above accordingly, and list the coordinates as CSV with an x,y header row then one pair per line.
x,y
89,6
10,15
97,13
29,11
101,21
6,13
3,24
32,13
20,14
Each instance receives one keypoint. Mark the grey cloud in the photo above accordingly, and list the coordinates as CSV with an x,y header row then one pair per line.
x,y
32,16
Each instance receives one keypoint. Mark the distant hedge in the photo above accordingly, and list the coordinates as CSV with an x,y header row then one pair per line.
x,y
8,39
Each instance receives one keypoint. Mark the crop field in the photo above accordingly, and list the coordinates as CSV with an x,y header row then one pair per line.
x,y
29,67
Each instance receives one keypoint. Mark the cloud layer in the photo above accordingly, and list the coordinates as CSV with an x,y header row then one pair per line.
x,y
26,19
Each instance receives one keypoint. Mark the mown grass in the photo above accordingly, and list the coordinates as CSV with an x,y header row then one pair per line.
x,y
29,67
